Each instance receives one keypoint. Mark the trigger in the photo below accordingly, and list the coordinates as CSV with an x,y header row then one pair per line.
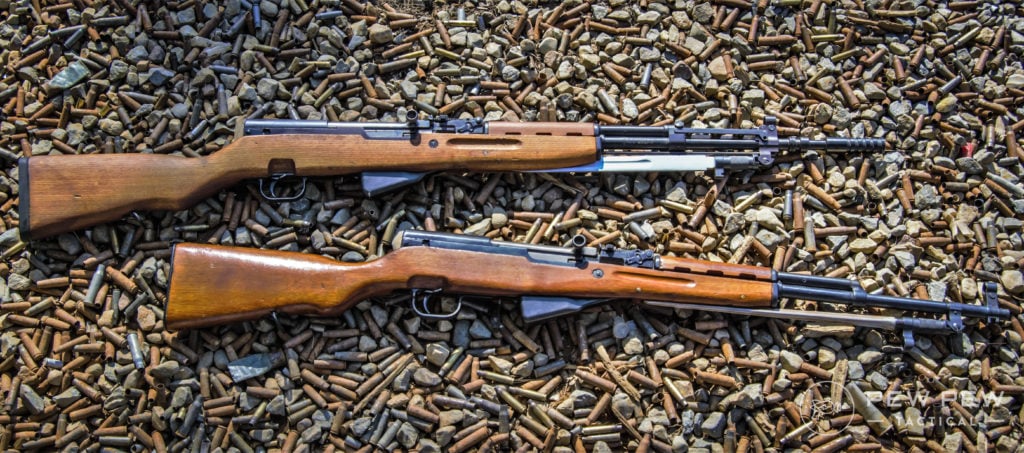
x,y
420,304
270,191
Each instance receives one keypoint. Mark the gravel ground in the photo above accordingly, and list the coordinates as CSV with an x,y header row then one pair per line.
x,y
935,216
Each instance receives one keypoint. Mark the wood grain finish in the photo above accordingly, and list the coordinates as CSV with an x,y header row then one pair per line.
x,y
540,128
214,284
66,193
742,271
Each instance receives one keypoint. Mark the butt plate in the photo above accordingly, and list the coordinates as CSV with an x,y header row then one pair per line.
x,y
24,221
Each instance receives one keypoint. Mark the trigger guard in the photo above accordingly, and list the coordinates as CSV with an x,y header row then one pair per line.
x,y
270,191
419,305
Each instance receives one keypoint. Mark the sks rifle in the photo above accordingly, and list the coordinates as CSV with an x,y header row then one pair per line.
x,y
64,193
215,284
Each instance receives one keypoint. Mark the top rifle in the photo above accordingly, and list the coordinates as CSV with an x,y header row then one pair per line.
x,y
65,193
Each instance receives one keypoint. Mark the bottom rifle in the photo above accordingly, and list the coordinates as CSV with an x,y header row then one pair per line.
x,y
213,284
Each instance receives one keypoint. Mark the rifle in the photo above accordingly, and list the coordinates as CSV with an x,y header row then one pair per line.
x,y
65,193
215,284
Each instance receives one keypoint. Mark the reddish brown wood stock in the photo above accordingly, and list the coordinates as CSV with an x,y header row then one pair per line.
x,y
717,269
66,193
213,284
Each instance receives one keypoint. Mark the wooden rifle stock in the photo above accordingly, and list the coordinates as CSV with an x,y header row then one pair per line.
x,y
65,193
215,284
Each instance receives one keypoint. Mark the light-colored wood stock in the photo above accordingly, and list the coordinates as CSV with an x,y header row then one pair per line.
x,y
541,128
213,284
66,193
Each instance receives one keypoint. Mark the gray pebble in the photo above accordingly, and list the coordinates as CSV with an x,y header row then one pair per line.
x,y
428,446
18,282
426,378
478,330
790,361
35,403
65,398
622,403
581,399
267,88
713,425
407,435
970,166
353,257
437,353
460,333
165,370
1013,281
380,34
159,76
111,127
70,76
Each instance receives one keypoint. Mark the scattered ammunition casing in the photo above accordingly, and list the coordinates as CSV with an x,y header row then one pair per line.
x,y
878,422
643,215
380,427
475,437
641,231
69,437
678,207
496,377
716,379
115,441
120,280
453,358
511,400
596,381
645,79
389,434
741,252
533,395
533,426
598,410
821,195
809,238
529,437
797,433
680,359
595,430
453,403
835,231
190,417
113,337
135,348
836,445
641,380
483,404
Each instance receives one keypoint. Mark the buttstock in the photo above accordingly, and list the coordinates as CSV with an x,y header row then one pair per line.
x,y
58,194
212,285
